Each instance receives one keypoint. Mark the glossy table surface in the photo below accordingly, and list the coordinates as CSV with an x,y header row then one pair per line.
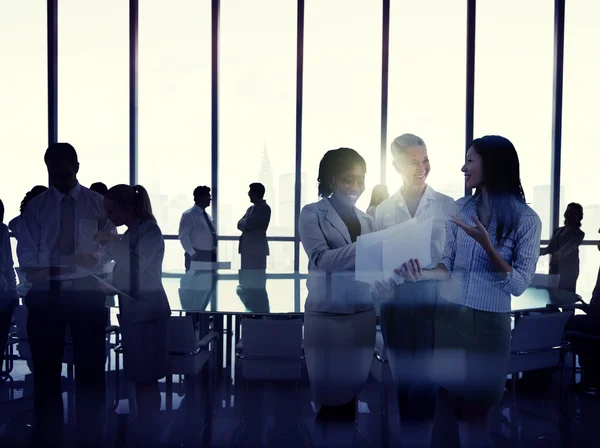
x,y
281,296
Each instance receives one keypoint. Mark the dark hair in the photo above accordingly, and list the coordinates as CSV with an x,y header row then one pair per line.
x,y
135,197
502,180
35,191
258,189
1,211
334,162
99,188
379,194
575,219
61,152
201,191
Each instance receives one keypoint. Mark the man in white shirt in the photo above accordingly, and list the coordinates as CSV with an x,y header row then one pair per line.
x,y
253,246
197,232
57,234
407,316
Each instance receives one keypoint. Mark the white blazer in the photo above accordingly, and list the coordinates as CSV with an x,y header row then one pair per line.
x,y
331,253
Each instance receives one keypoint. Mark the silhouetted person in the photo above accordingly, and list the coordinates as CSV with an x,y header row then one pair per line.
x,y
144,307
57,234
197,232
8,284
564,248
253,245
339,314
15,223
99,188
378,195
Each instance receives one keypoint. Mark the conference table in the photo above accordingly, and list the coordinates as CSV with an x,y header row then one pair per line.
x,y
224,303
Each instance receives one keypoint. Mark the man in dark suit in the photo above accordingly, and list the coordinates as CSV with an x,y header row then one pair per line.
x,y
253,246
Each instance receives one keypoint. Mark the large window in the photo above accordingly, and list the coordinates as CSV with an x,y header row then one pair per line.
x,y
513,88
174,105
23,101
427,87
581,96
342,86
93,87
257,110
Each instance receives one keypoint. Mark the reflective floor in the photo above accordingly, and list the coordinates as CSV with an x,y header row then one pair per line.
x,y
217,408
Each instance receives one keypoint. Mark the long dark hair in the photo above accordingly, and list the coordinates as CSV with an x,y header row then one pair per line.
x,y
334,162
573,219
135,197
37,190
501,179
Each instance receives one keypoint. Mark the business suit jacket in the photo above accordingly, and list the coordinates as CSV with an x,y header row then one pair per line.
x,y
326,241
254,227
567,244
138,256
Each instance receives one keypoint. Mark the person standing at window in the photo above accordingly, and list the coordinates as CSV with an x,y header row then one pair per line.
x,y
407,316
57,234
378,195
339,316
564,248
491,252
196,230
253,246
15,223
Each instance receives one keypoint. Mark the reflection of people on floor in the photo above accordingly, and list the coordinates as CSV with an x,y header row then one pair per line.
x,y
256,300
564,248
339,317
253,246
57,233
196,289
197,232
8,285
143,305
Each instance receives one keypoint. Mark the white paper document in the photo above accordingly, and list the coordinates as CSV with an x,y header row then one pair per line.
x,y
378,254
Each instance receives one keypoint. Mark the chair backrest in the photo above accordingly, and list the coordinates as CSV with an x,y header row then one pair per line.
x,y
267,338
182,336
539,331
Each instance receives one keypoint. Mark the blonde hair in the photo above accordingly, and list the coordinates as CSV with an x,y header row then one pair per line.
x,y
404,142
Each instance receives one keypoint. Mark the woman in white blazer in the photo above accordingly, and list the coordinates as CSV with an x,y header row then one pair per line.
x,y
144,308
339,318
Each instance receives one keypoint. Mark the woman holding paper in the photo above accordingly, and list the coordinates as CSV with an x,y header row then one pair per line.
x,y
491,252
339,318
143,305
408,311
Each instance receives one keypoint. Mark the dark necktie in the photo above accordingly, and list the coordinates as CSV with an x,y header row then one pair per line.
x,y
67,230
211,227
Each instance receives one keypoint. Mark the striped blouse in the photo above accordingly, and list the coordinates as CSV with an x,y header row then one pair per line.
x,y
473,280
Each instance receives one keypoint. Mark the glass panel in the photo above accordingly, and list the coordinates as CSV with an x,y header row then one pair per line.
x,y
93,87
589,262
342,86
427,87
581,96
513,88
174,105
23,101
257,105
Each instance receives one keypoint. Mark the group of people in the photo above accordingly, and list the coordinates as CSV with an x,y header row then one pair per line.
x,y
65,236
446,326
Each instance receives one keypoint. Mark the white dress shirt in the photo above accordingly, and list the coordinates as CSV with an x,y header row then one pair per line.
x,y
194,232
39,231
434,205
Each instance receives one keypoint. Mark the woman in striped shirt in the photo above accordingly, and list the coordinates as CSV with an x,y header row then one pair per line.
x,y
491,252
